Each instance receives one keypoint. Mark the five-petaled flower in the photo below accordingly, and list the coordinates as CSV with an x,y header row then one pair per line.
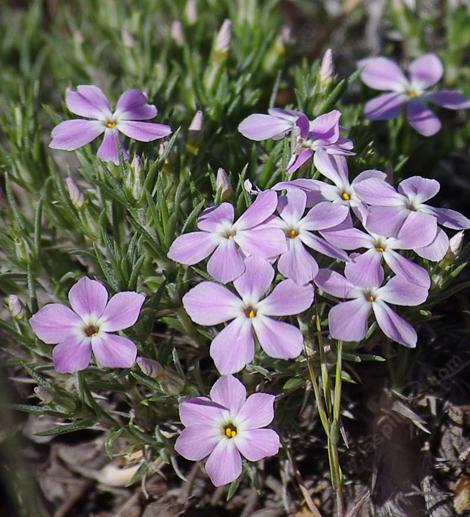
x,y
87,326
228,241
226,427
90,102
250,315
349,321
424,72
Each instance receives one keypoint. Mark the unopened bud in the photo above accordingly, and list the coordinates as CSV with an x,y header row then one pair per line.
x,y
223,39
195,132
171,383
43,394
75,195
223,185
177,32
15,306
150,367
134,180
456,243
327,68
191,11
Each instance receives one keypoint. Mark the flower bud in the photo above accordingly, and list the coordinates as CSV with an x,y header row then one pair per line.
x,y
150,367
177,32
456,243
43,394
170,383
75,195
191,11
250,188
327,68
223,185
195,132
134,179
223,40
15,306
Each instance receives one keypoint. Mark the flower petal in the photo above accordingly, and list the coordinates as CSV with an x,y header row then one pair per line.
x,y
292,206
287,298
277,338
226,263
144,131
326,127
450,99
132,105
422,119
333,283
409,270
72,134
385,106
297,263
347,238
398,291
365,270
257,411
419,189
191,248
257,444
324,215
393,326
348,321
418,230
200,411
233,348
229,392
210,304
196,442
263,206
426,70
224,464
88,101
262,241
322,246
380,73
378,192
297,160
256,279
72,355
108,150
450,218
261,127
122,311
211,218
386,220
54,323
88,297
112,351
438,248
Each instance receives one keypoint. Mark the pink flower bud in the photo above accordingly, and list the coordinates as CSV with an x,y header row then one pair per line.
x,y
197,124
191,11
15,306
150,367
223,185
224,38
75,195
327,68
456,243
177,32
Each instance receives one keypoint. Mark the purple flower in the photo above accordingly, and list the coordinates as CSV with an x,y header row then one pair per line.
x,y
417,231
90,102
87,326
276,125
228,241
226,427
297,263
390,209
320,134
348,321
413,92
250,315
343,191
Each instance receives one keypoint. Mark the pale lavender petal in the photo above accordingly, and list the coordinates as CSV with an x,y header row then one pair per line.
x,y
262,127
211,218
385,106
450,218
54,323
262,241
264,206
450,99
108,150
257,444
88,297
419,189
191,248
200,411
348,321
438,248
422,119
226,262
287,298
233,348
297,263
88,101
398,291
210,304
257,411
277,338
196,442
393,326
113,351
378,192
417,231
322,246
365,270
324,215
229,392
122,311
72,134
224,464
380,73
291,208
386,220
368,174
73,355
132,105
256,279
409,270
335,168
333,283
303,124
298,160
326,127
426,70
144,131
348,238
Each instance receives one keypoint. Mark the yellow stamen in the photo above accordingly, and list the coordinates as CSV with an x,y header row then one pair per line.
x,y
345,196
371,298
380,249
292,234
230,431
412,93
111,124
252,314
229,234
